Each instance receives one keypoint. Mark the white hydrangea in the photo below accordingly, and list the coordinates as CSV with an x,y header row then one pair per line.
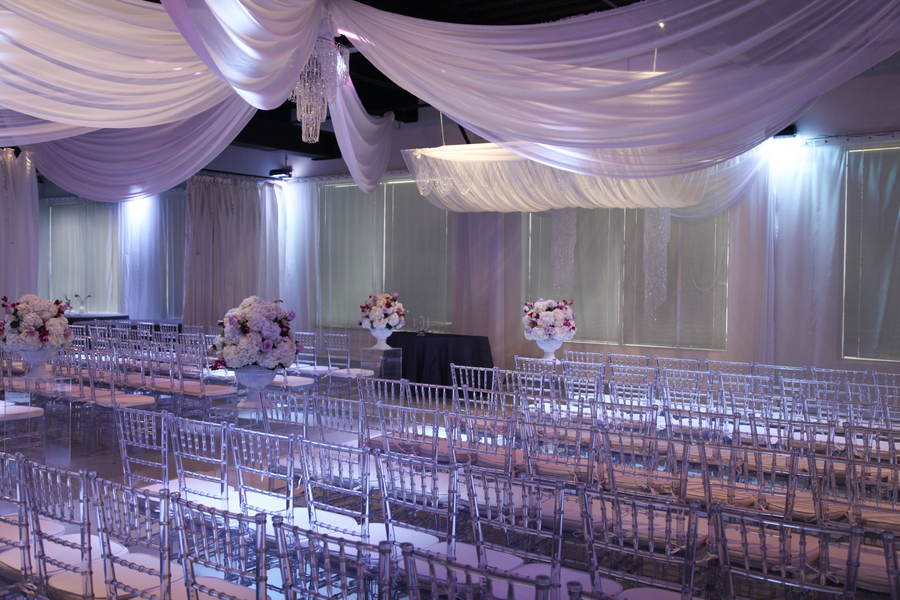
x,y
549,319
34,323
256,333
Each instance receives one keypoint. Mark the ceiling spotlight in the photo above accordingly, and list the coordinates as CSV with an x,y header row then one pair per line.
x,y
789,131
282,173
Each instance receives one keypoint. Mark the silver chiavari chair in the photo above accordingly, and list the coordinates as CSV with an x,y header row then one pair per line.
x,y
139,520
223,553
316,566
767,556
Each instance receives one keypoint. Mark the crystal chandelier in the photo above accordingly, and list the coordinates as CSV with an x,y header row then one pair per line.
x,y
326,69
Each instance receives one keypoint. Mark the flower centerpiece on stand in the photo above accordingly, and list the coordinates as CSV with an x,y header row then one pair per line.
x,y
37,328
381,314
257,339
549,323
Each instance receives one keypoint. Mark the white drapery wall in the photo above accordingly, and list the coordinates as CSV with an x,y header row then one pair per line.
x,y
80,253
129,256
19,225
233,245
151,246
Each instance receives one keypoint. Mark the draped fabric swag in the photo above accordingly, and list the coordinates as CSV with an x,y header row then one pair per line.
x,y
19,224
653,90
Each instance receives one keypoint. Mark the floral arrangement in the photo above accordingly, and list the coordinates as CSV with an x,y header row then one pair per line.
x,y
34,323
549,320
256,333
382,311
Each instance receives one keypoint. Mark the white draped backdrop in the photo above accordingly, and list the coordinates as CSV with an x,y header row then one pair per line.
x,y
763,280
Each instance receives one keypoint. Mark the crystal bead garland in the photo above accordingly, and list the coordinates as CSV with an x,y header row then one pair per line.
x,y
327,68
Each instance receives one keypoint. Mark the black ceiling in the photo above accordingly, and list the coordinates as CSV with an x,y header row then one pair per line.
x,y
278,130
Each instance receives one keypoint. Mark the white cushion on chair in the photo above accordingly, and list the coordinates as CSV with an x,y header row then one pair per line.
x,y
352,373
19,412
317,370
11,560
11,532
291,381
65,585
127,400
209,390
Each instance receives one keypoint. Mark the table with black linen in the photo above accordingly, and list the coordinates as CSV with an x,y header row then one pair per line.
x,y
427,358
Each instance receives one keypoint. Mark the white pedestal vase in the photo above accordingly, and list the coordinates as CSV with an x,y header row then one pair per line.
x,y
254,378
549,347
381,335
38,360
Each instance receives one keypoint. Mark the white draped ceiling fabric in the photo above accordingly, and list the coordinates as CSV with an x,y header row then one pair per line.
x,y
661,88
488,178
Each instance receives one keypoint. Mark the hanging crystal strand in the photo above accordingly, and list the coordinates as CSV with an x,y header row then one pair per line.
x,y
657,225
327,68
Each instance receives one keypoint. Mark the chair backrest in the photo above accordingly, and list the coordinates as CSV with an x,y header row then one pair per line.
x,y
730,368
629,374
872,444
234,545
735,382
144,446
192,329
677,364
481,378
641,394
168,327
506,508
526,364
684,378
341,415
583,369
132,517
337,348
655,535
559,451
718,428
839,375
420,494
484,402
337,480
780,372
429,396
306,344
288,412
61,497
773,556
690,398
627,360
410,430
595,358
264,471
200,449
486,441
430,575
652,464
315,566
14,531
373,390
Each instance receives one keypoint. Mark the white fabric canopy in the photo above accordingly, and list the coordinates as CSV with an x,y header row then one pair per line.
x,y
486,177
104,63
258,46
116,165
657,88
660,88
364,140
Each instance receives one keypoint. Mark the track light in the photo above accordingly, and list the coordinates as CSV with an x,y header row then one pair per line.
x,y
282,173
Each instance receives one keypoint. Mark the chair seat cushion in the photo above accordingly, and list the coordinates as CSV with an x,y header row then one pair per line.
x,y
209,390
127,400
19,412
64,585
291,381
11,560
351,373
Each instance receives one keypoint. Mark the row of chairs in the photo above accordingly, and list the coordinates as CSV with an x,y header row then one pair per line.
x,y
609,362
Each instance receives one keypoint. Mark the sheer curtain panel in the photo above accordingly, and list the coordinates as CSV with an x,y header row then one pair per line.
x,y
231,245
151,244
82,250
19,225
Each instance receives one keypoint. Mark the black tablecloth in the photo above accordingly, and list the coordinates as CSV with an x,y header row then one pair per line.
x,y
427,358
